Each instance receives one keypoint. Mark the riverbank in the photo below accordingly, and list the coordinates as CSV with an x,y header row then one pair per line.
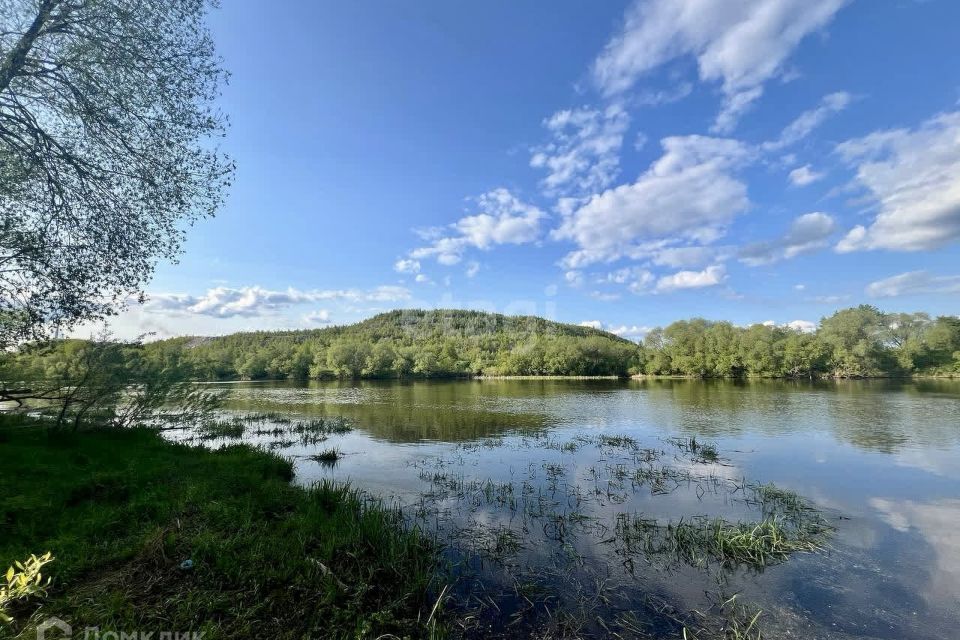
x,y
149,535
913,376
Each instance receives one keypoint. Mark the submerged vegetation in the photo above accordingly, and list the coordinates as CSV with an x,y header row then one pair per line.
x,y
150,534
563,529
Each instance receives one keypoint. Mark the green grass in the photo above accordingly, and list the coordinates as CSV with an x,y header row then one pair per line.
x,y
699,540
327,457
121,510
221,429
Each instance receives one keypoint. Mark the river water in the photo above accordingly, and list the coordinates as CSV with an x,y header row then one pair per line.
x,y
536,485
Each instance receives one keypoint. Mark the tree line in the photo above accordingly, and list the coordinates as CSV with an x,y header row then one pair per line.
x,y
856,342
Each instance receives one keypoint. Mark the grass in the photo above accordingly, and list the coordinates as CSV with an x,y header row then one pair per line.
x,y
121,510
327,457
704,452
221,429
699,540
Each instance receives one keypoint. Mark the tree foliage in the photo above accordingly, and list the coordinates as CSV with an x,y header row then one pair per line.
x,y
858,342
106,129
101,381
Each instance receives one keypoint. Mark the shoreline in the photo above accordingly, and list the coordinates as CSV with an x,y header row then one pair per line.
x,y
636,376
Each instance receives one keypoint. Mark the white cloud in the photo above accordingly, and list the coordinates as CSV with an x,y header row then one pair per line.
x,y
802,176
226,302
741,44
633,332
584,154
709,277
663,96
320,316
807,121
573,277
423,278
503,219
678,257
914,178
473,268
688,193
808,232
912,283
804,326
624,331
407,266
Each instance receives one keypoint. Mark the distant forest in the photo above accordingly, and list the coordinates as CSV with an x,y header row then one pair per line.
x,y
856,342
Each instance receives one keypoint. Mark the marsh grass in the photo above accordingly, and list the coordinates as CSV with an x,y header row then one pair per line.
x,y
327,457
121,509
704,452
222,429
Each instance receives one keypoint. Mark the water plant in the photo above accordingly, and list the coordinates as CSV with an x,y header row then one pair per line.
x,y
328,457
221,429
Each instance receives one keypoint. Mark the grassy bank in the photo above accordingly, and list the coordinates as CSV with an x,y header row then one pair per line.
x,y
121,511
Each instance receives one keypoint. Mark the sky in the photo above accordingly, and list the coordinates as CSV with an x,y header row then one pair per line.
x,y
621,164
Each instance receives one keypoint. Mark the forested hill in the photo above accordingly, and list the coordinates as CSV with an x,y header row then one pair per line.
x,y
420,343
858,342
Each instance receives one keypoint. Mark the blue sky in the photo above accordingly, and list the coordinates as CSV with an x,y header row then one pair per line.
x,y
625,164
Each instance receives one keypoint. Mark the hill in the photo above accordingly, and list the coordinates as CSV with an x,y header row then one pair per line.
x,y
404,343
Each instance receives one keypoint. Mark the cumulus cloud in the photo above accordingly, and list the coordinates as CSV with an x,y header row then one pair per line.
x,y
709,277
503,219
473,268
632,332
741,45
584,153
803,326
407,266
678,257
912,283
320,316
913,176
688,193
226,302
423,278
637,280
808,232
802,176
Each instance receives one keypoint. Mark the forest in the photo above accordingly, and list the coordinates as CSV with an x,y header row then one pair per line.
x,y
856,342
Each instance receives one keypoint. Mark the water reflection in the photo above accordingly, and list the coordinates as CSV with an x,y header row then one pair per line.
x,y
884,416
880,458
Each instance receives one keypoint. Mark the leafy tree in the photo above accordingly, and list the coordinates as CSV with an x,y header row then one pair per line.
x,y
106,126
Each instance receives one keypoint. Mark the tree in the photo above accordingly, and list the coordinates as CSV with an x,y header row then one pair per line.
x,y
855,337
103,382
106,154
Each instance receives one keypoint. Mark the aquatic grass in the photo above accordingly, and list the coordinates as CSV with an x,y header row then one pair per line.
x,y
618,442
324,426
328,457
699,540
733,621
699,451
221,429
